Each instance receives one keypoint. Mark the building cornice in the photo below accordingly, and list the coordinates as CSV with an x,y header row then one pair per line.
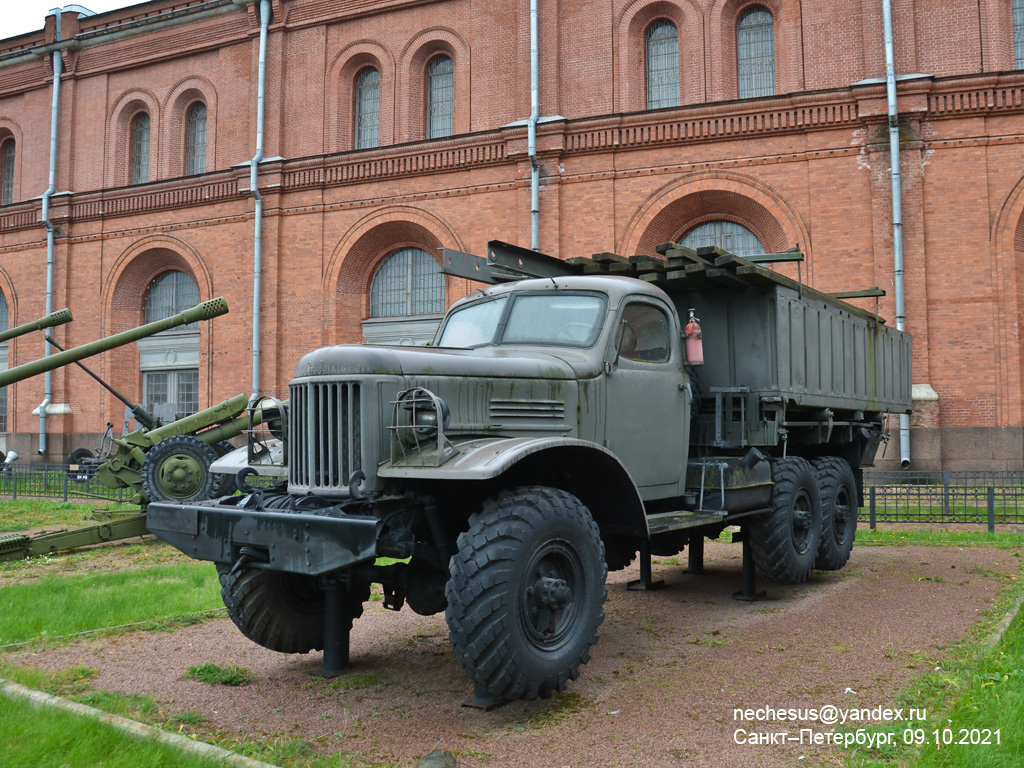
x,y
845,109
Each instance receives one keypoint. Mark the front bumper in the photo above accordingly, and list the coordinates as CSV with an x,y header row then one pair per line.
x,y
295,542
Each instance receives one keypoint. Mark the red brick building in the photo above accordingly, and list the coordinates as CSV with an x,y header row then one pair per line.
x,y
395,128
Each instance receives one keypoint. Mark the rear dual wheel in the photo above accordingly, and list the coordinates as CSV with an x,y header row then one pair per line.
x,y
839,504
784,541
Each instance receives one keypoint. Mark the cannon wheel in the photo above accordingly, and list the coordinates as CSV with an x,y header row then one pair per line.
x,y
178,469
838,512
527,593
784,540
75,459
282,611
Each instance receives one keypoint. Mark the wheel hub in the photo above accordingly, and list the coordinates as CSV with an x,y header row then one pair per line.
x,y
180,475
551,594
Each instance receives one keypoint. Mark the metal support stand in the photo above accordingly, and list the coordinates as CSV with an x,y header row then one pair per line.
x,y
645,583
695,555
749,592
336,629
484,699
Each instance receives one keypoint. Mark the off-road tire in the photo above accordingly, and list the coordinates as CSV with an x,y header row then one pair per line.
x,y
527,592
75,458
281,611
177,469
838,488
784,541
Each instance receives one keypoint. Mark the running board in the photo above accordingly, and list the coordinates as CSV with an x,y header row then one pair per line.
x,y
666,522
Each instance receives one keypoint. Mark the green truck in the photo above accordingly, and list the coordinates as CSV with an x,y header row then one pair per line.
x,y
555,428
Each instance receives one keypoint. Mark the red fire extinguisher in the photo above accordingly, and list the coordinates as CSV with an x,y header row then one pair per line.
x,y
694,345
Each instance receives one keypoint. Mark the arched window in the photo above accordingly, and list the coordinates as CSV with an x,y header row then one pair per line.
x,y
729,235
195,139
169,361
406,299
138,154
1018,33
367,109
440,97
7,173
662,65
4,325
755,53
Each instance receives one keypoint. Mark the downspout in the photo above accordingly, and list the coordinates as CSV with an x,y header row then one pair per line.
x,y
58,65
532,130
257,259
897,204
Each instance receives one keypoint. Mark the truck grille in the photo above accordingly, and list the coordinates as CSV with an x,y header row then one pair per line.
x,y
325,439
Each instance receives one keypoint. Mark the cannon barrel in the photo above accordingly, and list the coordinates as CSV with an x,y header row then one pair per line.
x,y
59,317
204,311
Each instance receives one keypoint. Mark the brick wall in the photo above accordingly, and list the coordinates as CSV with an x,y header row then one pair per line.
x,y
808,167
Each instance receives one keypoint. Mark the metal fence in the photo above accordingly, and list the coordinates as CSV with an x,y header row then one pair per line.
x,y
938,498
56,481
990,498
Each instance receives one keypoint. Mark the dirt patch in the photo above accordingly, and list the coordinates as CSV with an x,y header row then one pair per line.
x,y
669,670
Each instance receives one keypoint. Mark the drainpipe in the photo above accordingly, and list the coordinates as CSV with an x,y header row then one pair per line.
x,y
897,204
58,65
257,259
532,130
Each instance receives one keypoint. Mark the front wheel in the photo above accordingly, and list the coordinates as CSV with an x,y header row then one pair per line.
x,y
527,592
282,611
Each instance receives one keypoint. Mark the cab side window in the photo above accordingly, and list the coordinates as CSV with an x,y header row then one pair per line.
x,y
645,334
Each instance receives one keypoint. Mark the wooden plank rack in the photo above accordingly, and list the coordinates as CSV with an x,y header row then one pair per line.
x,y
673,268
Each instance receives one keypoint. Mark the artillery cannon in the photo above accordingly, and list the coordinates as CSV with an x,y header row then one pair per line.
x,y
51,320
169,462
204,311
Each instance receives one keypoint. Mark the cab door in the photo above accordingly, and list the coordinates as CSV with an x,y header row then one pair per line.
x,y
647,416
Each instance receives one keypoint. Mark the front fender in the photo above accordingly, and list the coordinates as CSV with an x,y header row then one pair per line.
x,y
481,459
613,497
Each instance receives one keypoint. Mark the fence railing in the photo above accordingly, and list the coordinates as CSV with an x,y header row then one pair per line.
x,y
56,481
990,498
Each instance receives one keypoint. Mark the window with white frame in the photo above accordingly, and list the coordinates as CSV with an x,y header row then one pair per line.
x,y
733,237
662,65
406,299
440,97
169,361
755,53
367,109
138,154
195,139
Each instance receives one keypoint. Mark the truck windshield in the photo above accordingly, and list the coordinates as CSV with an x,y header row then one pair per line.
x,y
560,319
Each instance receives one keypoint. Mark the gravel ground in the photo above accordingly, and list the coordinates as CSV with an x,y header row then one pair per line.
x,y
669,669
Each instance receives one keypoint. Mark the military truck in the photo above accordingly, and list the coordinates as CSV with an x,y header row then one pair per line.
x,y
554,429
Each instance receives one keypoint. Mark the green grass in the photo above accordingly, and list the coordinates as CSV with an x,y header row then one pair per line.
x,y
212,674
927,535
23,514
66,740
56,606
975,689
